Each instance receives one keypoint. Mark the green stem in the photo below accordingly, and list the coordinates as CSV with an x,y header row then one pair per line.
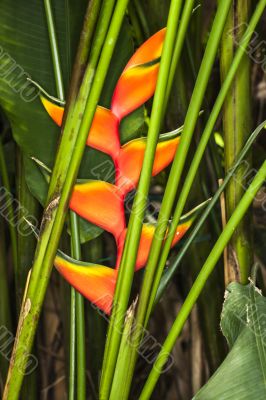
x,y
147,289
169,273
201,279
201,148
76,302
120,389
54,50
78,311
237,124
63,178
11,218
126,270
73,121
72,345
29,209
81,59
181,34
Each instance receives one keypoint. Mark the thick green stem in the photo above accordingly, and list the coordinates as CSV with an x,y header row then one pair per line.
x,y
169,273
202,146
199,283
181,34
63,178
77,330
81,59
29,209
126,270
237,124
147,288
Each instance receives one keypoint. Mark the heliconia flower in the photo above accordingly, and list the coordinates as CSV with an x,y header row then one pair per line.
x,y
138,80
100,203
146,240
130,161
103,135
95,282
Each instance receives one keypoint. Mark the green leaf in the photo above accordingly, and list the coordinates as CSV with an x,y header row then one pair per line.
x,y
25,52
243,372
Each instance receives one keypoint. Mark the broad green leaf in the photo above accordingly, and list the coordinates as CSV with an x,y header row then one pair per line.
x,y
25,53
242,374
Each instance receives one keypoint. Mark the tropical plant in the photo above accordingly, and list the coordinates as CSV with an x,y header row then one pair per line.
x,y
125,205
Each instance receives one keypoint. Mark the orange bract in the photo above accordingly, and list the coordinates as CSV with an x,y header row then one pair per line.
x,y
149,50
138,80
95,282
130,160
134,88
103,203
100,203
146,240
56,112
103,135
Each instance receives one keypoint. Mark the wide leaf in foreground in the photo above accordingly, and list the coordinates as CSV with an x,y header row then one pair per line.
x,y
242,374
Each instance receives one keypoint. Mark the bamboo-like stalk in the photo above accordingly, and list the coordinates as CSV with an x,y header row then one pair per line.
x,y
201,279
120,388
77,323
203,143
67,163
236,126
84,47
169,273
181,34
77,313
147,288
29,208
126,270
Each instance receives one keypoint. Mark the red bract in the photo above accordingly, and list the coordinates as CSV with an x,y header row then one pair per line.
x,y
146,240
103,203
138,80
95,282
100,203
